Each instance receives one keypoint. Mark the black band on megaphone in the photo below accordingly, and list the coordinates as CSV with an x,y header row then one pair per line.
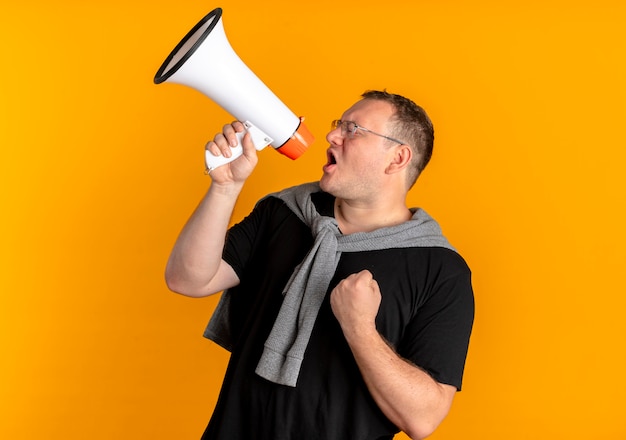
x,y
165,71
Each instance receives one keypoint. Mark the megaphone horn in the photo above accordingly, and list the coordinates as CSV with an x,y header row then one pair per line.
x,y
204,60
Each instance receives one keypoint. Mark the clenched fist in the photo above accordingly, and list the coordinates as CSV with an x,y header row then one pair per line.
x,y
355,302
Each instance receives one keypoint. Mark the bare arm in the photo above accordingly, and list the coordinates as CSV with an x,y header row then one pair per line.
x,y
195,266
407,395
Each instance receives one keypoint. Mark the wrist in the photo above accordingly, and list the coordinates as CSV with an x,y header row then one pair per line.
x,y
361,335
229,189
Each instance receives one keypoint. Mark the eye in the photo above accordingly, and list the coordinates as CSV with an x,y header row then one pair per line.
x,y
351,128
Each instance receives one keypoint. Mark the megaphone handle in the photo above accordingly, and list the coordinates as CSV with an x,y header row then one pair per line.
x,y
259,139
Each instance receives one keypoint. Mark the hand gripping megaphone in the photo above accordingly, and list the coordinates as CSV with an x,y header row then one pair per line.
x,y
204,60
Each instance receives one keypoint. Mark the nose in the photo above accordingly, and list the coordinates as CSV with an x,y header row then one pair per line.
x,y
334,136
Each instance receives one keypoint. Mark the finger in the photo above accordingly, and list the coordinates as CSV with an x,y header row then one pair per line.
x,y
219,146
247,144
230,132
223,142
365,276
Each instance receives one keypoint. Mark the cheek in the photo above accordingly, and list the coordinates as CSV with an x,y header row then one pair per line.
x,y
369,164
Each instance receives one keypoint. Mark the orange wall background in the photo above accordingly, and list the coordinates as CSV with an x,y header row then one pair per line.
x,y
100,168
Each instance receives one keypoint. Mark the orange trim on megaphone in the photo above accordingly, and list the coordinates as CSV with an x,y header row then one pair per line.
x,y
298,143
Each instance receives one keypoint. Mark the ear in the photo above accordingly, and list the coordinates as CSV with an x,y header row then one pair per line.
x,y
400,158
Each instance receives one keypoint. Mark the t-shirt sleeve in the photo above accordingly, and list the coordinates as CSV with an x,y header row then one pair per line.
x,y
437,337
242,237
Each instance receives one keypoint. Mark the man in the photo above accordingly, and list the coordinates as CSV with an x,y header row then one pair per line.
x,y
348,314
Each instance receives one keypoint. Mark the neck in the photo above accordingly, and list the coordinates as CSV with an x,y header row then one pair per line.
x,y
353,218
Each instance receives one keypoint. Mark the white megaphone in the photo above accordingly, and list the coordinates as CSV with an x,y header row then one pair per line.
x,y
205,61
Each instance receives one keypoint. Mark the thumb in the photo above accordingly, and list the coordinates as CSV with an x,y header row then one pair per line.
x,y
248,145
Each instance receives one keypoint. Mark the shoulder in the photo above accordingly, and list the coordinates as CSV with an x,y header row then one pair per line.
x,y
450,259
269,209
438,261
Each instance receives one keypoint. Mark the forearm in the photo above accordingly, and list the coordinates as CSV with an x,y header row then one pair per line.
x,y
407,395
197,253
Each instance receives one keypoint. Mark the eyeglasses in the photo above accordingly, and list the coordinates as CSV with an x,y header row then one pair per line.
x,y
349,128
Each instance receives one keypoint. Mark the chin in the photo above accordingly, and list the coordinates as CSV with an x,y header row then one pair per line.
x,y
324,184
328,187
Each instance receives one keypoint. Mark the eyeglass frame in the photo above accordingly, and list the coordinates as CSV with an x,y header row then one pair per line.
x,y
344,129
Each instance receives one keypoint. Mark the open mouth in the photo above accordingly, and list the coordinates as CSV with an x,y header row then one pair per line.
x,y
331,158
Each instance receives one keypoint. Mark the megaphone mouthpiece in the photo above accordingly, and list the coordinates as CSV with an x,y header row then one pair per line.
x,y
205,61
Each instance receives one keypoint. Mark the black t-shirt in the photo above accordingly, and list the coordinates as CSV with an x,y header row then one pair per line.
x,y
426,314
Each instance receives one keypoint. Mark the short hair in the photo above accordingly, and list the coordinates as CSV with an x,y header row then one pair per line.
x,y
411,124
